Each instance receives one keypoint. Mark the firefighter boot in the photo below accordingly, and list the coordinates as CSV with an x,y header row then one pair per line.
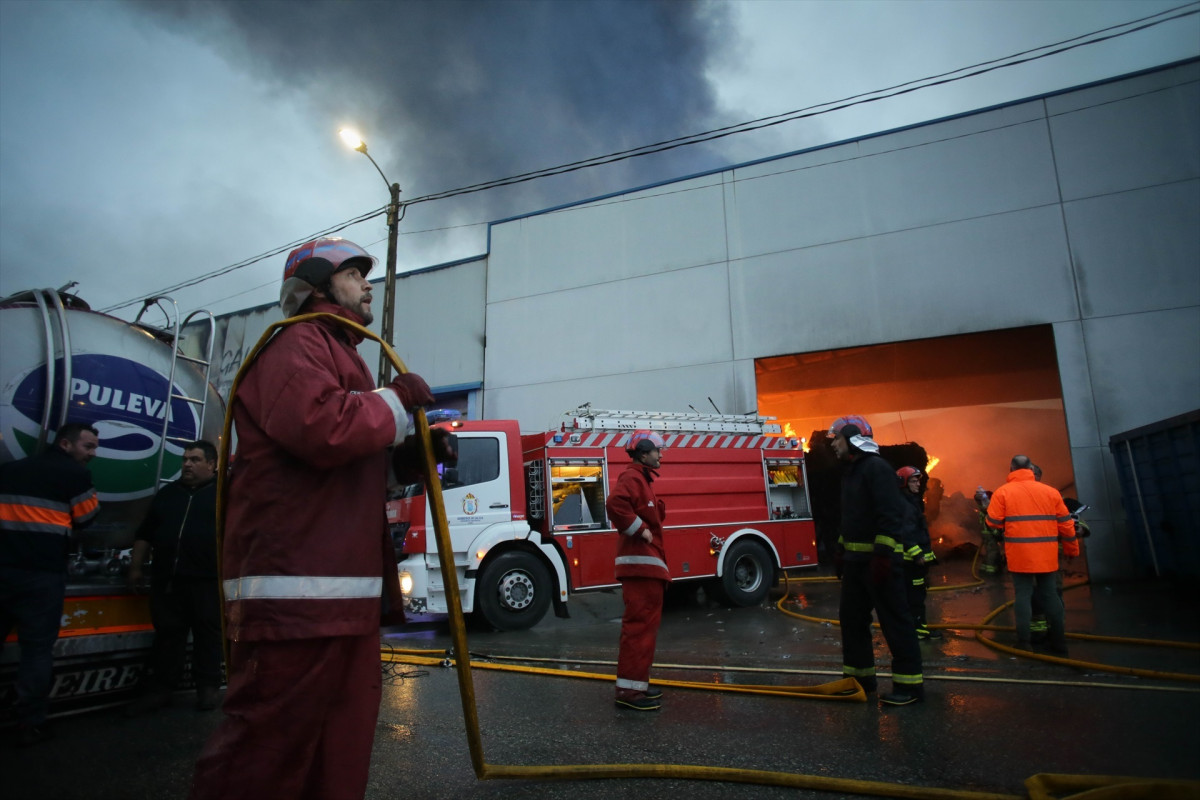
x,y
903,695
638,701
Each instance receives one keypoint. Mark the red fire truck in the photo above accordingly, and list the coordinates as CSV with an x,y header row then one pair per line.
x,y
528,526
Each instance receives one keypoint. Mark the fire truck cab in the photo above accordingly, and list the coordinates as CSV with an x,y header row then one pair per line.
x,y
528,525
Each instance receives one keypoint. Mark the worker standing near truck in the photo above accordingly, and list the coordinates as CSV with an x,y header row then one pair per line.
x,y
641,567
44,499
306,554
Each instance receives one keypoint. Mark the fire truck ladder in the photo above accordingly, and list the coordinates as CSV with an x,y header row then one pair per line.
x,y
204,363
587,418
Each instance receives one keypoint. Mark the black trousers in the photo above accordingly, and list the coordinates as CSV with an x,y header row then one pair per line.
x,y
32,602
183,605
915,587
861,596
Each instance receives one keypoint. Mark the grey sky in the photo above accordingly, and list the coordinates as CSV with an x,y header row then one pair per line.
x,y
145,143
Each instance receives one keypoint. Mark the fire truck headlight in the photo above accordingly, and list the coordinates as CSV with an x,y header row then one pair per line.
x,y
406,583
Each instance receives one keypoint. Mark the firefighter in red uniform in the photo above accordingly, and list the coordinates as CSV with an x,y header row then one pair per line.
x,y
306,554
871,569
641,567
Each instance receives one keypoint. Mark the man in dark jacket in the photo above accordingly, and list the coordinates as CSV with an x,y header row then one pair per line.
x,y
873,522
43,499
180,531
306,554
641,567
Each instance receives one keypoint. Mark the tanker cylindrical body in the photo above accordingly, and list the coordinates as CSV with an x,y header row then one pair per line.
x,y
119,383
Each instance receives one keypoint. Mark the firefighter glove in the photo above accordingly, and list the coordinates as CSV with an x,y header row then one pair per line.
x,y
881,569
412,390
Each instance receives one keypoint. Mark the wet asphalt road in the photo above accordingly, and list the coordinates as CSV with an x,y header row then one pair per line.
x,y
989,722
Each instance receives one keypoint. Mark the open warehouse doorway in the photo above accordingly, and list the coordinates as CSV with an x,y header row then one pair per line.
x,y
971,401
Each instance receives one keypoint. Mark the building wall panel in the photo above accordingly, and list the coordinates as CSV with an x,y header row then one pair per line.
x,y
1130,143
1138,250
642,233
1002,271
653,322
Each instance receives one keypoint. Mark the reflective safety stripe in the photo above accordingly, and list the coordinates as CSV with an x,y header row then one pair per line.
x,y
287,587
634,528
918,581
637,686
859,547
908,680
85,506
643,561
1010,539
34,515
1031,518
858,672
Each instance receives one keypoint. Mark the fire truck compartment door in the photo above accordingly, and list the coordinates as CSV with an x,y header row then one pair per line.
x,y
476,491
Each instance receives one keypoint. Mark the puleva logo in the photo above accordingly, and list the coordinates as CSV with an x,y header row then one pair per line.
x,y
126,402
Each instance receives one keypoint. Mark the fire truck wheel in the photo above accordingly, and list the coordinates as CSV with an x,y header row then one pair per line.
x,y
748,574
513,592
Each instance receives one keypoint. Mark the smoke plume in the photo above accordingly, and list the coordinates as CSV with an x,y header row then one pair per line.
x,y
457,92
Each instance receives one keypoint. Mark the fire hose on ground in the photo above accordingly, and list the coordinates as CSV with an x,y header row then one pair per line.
x,y
1039,787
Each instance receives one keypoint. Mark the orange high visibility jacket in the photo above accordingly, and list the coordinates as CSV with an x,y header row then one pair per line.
x,y
1034,519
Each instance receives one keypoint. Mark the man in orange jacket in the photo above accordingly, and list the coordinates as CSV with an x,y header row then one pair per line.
x,y
1034,520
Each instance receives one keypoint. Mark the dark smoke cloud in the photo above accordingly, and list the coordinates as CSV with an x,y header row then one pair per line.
x,y
454,92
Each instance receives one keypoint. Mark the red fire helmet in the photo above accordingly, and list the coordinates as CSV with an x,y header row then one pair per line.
x,y
861,423
643,441
313,263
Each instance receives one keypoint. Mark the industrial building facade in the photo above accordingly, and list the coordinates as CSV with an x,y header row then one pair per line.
x,y
1023,279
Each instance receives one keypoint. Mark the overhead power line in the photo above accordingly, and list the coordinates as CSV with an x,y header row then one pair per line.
x,y
962,73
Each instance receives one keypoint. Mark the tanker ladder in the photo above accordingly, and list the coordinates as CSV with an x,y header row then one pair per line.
x,y
204,363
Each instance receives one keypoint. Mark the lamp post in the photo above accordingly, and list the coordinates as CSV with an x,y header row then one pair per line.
x,y
355,142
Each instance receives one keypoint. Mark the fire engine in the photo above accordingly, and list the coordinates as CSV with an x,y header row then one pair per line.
x,y
62,363
528,525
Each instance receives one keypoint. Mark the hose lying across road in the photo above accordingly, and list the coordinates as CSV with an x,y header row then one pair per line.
x,y
1038,787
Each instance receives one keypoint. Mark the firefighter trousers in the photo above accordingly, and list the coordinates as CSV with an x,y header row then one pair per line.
x,y
860,595
915,588
639,631
299,721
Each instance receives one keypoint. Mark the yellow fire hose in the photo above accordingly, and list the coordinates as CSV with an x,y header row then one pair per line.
x,y
1125,788
1051,659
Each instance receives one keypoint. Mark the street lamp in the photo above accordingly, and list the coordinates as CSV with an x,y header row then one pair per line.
x,y
355,142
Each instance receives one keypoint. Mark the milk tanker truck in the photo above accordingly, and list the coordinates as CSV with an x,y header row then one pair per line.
x,y
63,362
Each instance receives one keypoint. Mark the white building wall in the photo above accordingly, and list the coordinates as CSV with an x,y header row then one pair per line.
x,y
1080,210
